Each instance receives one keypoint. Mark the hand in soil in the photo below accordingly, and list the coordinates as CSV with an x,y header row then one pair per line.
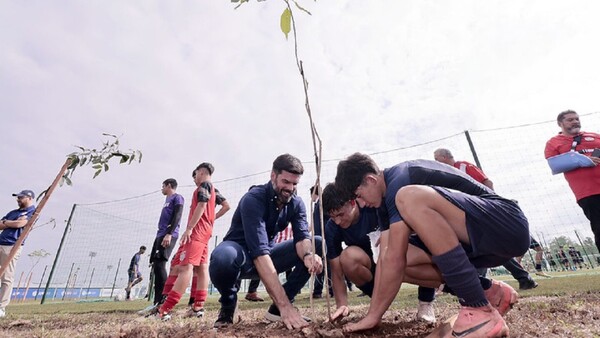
x,y
366,323
340,313
292,318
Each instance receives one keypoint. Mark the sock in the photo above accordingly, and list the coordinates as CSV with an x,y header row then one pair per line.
x,y
538,267
194,284
461,276
426,294
485,282
200,298
171,301
169,284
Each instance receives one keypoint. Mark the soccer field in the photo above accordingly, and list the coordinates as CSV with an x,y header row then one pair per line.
x,y
567,305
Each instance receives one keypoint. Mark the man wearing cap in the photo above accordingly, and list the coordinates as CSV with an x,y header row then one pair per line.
x,y
12,225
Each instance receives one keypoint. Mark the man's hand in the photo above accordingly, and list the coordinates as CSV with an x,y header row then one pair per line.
x,y
596,160
186,237
340,313
292,318
166,241
366,323
313,263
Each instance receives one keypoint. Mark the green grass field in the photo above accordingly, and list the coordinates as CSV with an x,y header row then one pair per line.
x,y
562,283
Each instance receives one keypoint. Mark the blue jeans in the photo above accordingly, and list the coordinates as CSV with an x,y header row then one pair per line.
x,y
230,262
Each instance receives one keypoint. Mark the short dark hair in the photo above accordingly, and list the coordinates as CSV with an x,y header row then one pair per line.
x,y
561,116
312,189
206,166
352,171
333,199
171,182
288,163
143,247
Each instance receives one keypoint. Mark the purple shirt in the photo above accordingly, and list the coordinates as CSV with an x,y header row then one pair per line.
x,y
166,215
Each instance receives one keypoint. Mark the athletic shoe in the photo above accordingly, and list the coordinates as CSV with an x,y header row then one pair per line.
x,y
253,297
190,313
543,274
501,296
476,322
426,313
527,284
225,318
273,315
148,310
2,313
161,316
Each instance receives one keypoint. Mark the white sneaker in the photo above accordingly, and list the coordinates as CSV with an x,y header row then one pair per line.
x,y
2,313
426,312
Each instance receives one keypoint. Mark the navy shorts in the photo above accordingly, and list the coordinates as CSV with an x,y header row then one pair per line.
x,y
534,244
498,230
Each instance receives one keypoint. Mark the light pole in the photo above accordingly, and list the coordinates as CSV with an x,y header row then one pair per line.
x,y
92,254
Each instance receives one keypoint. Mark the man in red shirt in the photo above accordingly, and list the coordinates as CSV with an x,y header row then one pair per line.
x,y
192,256
585,181
445,156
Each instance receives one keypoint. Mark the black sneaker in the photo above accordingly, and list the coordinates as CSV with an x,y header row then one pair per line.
x,y
527,284
226,316
273,315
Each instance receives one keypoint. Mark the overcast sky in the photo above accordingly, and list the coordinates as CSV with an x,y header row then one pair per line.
x,y
193,81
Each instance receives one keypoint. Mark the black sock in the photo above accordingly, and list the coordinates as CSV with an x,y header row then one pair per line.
x,y
461,276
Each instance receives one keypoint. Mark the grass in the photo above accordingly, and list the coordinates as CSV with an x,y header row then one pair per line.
x,y
562,283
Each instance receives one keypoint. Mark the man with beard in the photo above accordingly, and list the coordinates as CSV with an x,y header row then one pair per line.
x,y
584,181
249,250
12,226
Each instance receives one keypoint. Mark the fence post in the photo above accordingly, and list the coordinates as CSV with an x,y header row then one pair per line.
x,y
115,280
475,157
584,250
62,241
66,286
41,280
90,284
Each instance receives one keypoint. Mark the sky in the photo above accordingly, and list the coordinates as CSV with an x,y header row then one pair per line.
x,y
193,81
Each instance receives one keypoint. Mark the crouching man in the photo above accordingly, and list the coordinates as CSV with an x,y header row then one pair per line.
x,y
248,250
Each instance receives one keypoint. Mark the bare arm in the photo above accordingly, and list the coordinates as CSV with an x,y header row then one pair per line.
x,y
201,206
224,208
268,275
388,275
313,263
339,289
18,223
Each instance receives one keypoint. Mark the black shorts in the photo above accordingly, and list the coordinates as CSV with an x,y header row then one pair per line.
x,y
498,230
534,244
159,253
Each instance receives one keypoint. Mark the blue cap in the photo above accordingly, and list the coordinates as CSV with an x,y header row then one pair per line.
x,y
27,193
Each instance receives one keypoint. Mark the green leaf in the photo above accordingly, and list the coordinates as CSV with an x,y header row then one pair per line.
x,y
68,180
105,166
124,159
97,173
83,160
61,182
131,158
286,22
97,166
140,159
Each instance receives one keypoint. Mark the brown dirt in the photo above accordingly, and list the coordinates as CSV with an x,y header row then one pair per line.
x,y
559,316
